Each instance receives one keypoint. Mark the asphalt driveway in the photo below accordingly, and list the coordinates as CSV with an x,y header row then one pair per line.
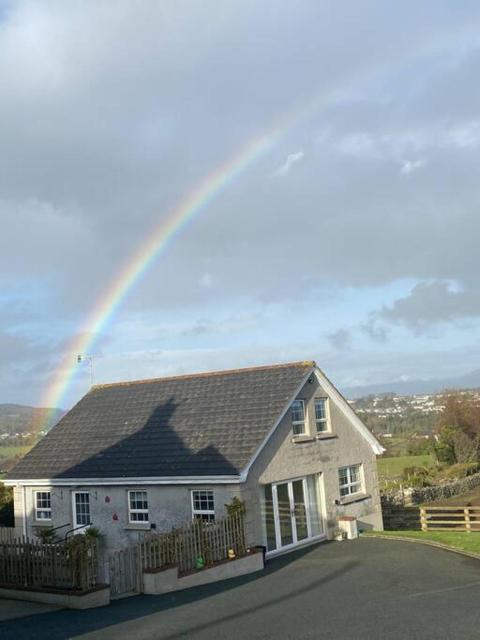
x,y
366,588
10,609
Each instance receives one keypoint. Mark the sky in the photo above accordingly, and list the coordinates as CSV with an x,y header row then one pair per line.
x,y
353,240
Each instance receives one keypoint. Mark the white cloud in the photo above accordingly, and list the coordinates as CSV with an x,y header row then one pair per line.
x,y
206,281
409,166
292,159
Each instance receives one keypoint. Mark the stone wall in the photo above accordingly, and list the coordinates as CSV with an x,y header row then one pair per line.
x,y
443,491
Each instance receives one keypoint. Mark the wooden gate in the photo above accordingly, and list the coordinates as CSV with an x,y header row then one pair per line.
x,y
125,572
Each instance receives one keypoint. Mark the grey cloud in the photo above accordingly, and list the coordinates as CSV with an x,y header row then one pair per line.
x,y
430,303
109,115
339,339
374,329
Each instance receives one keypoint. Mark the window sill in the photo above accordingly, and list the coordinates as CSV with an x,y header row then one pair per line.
x,y
356,497
138,526
303,438
326,436
42,523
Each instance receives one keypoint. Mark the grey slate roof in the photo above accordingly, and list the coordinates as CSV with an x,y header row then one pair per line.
x,y
198,425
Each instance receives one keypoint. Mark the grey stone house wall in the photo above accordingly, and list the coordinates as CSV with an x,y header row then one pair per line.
x,y
284,459
169,506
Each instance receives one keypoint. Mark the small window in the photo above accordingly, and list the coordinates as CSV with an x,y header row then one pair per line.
x,y
203,506
350,480
137,506
43,505
298,417
321,415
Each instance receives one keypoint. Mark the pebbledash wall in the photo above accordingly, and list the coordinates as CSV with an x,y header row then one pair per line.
x,y
168,507
283,458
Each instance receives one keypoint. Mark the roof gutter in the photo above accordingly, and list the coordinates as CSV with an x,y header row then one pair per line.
x,y
166,480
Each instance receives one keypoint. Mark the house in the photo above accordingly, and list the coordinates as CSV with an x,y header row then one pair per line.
x,y
153,454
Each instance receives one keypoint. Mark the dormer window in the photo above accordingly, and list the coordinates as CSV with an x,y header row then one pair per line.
x,y
298,417
321,415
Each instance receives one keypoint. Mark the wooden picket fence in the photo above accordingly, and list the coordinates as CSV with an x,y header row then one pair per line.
x,y
182,547
179,547
29,563
454,518
125,571
7,534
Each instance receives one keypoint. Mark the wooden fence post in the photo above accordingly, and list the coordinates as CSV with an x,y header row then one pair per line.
x,y
468,526
423,519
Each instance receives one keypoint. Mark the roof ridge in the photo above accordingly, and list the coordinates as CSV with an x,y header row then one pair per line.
x,y
207,374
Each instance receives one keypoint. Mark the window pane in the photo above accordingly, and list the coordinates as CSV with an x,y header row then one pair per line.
x,y
203,505
350,480
298,411
43,500
320,409
206,517
139,516
298,429
82,509
138,500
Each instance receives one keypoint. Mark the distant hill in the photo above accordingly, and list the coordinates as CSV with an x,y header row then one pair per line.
x,y
18,419
20,428
411,387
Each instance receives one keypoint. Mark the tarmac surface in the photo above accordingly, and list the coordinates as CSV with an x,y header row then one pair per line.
x,y
367,588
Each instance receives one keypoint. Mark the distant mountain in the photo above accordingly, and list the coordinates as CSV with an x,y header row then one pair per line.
x,y
21,419
411,387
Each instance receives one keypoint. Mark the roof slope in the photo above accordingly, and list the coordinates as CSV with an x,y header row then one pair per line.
x,y
207,424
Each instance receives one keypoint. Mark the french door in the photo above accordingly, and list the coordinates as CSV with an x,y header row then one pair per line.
x,y
291,514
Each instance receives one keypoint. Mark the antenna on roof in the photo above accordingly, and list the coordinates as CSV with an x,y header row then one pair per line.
x,y
81,358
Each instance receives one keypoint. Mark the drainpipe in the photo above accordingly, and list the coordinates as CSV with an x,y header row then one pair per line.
x,y
24,510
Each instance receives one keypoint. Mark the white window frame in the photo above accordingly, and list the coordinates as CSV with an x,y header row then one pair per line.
x,y
296,423
137,511
349,485
202,512
323,421
81,527
38,509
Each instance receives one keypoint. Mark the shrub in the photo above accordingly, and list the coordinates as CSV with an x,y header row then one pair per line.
x,y
46,535
235,506
417,476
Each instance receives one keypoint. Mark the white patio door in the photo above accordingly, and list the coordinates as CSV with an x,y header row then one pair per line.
x,y
291,512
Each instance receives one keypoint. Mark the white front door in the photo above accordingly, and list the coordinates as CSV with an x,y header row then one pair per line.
x,y
291,512
81,510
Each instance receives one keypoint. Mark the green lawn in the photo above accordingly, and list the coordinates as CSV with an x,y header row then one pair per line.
x,y
456,540
393,467
11,452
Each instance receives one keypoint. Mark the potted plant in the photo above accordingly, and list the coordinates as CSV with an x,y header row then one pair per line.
x,y
339,534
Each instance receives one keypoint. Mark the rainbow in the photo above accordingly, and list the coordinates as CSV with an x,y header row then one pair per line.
x,y
159,240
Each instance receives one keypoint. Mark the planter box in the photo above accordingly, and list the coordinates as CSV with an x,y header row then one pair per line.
x,y
166,580
88,600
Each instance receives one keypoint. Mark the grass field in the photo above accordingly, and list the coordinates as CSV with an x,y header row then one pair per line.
x,y
457,540
392,468
11,452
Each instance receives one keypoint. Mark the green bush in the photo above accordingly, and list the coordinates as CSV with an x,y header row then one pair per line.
x,y
46,535
235,506
417,476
